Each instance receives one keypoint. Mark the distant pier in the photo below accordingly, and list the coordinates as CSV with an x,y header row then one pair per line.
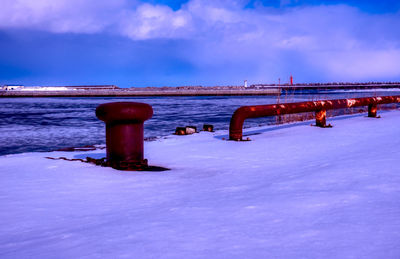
x,y
327,86
114,91
139,93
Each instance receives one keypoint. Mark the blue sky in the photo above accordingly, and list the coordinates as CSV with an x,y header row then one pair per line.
x,y
197,42
369,6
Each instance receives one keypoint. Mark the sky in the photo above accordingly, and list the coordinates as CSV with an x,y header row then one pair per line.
x,y
198,42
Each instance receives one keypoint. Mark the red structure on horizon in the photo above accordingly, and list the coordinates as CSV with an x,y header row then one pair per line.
x,y
291,80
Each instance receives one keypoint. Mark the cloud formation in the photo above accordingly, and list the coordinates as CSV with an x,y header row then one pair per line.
x,y
60,16
317,43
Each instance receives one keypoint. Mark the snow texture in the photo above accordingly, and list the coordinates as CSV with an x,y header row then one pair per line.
x,y
294,191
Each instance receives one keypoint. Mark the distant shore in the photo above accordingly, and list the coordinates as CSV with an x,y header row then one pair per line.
x,y
256,89
138,93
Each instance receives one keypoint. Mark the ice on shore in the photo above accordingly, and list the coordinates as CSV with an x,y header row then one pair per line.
x,y
294,191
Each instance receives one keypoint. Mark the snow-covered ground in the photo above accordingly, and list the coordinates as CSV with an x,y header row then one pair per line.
x,y
294,191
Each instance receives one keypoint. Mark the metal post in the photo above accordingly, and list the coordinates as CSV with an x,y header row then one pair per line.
x,y
124,133
372,110
320,118
208,127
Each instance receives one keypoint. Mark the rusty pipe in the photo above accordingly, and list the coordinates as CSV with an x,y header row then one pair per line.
x,y
256,111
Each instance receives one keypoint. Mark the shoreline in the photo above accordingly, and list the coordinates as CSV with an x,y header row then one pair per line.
x,y
139,93
253,90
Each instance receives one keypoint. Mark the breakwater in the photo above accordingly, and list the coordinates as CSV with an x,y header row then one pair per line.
x,y
141,93
327,86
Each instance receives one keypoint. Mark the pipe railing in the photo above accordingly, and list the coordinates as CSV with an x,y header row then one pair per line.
x,y
319,107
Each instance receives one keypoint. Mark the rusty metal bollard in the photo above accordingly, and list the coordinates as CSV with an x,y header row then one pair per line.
x,y
208,127
180,131
124,133
188,130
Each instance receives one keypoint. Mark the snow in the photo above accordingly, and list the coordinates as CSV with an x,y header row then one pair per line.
x,y
294,191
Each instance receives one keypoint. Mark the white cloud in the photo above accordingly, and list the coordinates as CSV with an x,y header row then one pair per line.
x,y
154,21
59,16
335,40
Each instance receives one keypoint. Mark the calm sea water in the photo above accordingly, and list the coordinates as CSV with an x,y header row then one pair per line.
x,y
46,124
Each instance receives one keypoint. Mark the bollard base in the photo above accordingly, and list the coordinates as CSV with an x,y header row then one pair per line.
x,y
240,139
129,165
323,126
126,165
135,166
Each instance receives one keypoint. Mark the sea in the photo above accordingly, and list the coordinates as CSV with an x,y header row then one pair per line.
x,y
48,124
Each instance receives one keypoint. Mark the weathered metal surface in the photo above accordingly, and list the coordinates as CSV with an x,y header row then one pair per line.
x,y
188,130
246,112
372,110
208,127
180,131
124,133
320,118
